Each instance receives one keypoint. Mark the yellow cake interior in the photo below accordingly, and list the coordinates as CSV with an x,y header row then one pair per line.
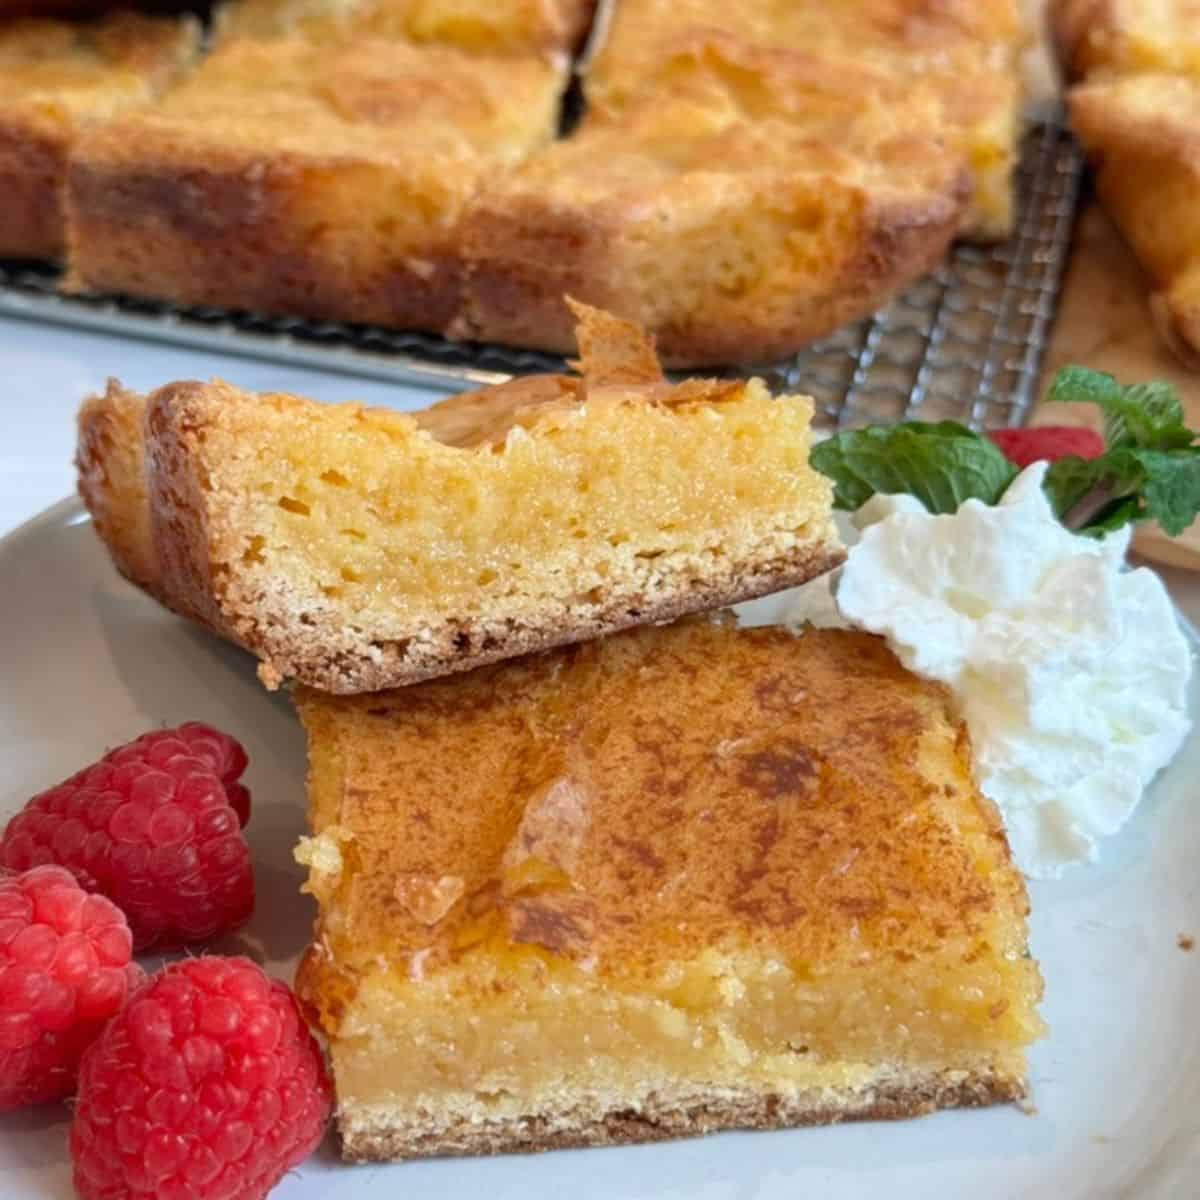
x,y
388,520
689,865
356,549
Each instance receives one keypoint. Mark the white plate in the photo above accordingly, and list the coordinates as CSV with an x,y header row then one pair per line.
x,y
87,662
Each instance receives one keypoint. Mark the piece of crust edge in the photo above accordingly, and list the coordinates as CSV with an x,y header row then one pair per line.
x,y
903,1095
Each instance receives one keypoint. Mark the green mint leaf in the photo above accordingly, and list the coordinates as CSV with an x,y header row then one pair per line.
x,y
1069,479
1082,385
1126,511
1127,484
940,464
1146,415
1169,487
1153,417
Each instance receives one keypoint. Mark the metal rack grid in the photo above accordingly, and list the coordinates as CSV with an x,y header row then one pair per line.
x,y
964,343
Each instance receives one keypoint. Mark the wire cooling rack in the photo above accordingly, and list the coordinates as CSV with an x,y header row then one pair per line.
x,y
964,343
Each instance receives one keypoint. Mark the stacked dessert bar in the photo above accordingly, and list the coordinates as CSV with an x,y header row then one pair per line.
x,y
584,876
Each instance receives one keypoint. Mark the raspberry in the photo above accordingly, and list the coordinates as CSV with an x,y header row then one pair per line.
x,y
156,827
1049,442
64,970
223,754
208,1086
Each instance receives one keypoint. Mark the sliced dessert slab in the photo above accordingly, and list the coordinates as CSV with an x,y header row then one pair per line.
x,y
356,549
757,202
963,53
1127,37
1142,135
296,175
682,879
56,79
1137,113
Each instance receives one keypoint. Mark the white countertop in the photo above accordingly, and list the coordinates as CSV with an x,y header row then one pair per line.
x,y
45,370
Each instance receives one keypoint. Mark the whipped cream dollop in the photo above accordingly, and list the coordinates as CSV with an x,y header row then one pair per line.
x,y
1070,670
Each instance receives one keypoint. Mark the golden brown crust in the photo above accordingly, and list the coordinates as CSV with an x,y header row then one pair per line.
x,y
1118,38
551,28
337,660
1136,110
761,197
111,470
184,579
744,769
32,168
56,79
526,256
661,1121
612,352
785,62
337,199
1142,134
732,250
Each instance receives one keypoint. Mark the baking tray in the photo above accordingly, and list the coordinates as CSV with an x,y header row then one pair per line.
x,y
964,343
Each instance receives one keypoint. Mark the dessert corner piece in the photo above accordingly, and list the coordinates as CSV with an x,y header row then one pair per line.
x,y
963,55
754,200
757,889
317,178
355,549
1135,107
57,79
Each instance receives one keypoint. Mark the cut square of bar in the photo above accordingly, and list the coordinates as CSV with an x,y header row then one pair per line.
x,y
761,199
356,549
962,53
288,175
682,879
1136,110
56,79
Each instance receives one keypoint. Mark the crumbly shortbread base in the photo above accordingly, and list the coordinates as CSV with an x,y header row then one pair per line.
x,y
380,1132
336,656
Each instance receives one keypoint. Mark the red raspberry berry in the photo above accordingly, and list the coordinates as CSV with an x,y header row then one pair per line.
x,y
208,1086
156,827
1049,442
64,970
223,754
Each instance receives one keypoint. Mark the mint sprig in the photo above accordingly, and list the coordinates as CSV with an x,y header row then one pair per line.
x,y
942,465
1147,415
1149,471
1150,468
